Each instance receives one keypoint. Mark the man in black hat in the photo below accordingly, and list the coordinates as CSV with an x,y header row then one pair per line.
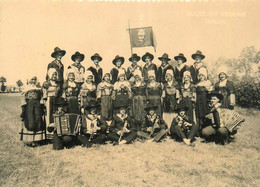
x,y
118,62
154,128
134,67
96,70
183,127
77,68
163,68
214,129
180,68
148,58
197,65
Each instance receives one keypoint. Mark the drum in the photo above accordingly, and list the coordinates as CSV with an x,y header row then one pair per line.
x,y
67,124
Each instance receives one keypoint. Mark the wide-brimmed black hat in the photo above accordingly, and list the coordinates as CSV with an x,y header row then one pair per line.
x,y
122,59
215,93
181,107
96,55
164,57
92,104
198,53
147,54
57,51
78,55
150,107
180,56
134,56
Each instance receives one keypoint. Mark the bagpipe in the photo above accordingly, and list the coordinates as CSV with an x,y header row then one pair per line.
x,y
123,131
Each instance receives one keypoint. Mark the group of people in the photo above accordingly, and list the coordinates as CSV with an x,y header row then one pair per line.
x,y
123,105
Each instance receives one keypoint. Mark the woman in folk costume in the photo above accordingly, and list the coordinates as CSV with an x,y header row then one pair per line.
x,y
122,90
226,88
133,68
171,93
88,90
163,68
203,87
154,92
118,62
32,113
51,89
180,68
78,69
197,65
96,70
148,58
104,97
188,94
71,91
139,98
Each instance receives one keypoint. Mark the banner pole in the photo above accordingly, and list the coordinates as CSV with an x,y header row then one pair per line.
x,y
130,38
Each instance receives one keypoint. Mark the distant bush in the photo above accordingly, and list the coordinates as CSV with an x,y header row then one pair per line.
x,y
248,92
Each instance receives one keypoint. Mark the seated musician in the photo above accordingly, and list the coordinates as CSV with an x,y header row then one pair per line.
x,y
92,127
154,127
183,127
213,128
122,129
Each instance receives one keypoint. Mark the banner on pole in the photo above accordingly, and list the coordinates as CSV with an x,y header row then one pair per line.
x,y
142,37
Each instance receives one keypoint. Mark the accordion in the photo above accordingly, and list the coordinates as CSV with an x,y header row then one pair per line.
x,y
229,118
67,124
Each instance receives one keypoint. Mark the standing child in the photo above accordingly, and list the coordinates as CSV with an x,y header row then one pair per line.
x,y
188,94
88,90
183,127
96,70
154,127
118,62
32,113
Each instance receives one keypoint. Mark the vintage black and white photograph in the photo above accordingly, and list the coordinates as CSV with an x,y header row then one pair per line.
x,y
129,93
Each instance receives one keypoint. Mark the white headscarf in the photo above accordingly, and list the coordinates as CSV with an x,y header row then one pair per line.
x,y
187,73
51,71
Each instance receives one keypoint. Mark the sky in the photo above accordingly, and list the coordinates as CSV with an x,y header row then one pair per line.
x,y
31,29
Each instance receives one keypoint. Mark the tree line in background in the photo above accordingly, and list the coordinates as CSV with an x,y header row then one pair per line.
x,y
243,71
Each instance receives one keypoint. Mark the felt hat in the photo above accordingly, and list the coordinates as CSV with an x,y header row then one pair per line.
x,y
118,105
134,56
92,104
199,54
96,55
147,54
164,57
180,56
181,107
216,94
78,55
58,51
122,59
60,102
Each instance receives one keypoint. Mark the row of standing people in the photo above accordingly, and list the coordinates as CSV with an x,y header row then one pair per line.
x,y
136,85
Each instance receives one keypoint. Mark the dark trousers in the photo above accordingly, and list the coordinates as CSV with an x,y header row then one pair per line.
x,y
181,133
215,134
156,136
128,137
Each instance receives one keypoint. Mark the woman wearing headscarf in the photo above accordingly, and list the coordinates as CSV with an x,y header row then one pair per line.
x,y
32,113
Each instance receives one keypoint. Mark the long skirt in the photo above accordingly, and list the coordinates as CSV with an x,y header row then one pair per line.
x,y
156,101
33,116
31,136
137,108
170,103
51,109
106,107
201,108
186,101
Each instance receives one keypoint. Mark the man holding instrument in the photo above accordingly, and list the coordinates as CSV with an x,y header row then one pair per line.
x,y
154,127
123,128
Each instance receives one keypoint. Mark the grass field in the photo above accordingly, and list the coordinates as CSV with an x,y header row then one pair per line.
x,y
140,164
